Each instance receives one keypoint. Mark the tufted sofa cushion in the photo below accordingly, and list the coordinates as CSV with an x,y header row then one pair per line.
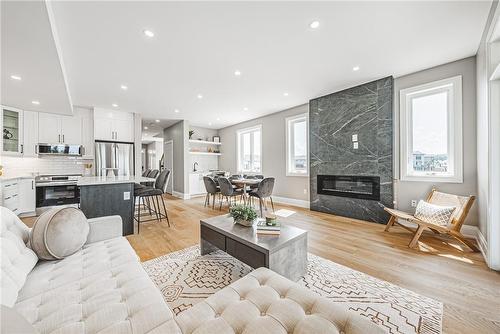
x,y
122,299
264,302
92,259
17,259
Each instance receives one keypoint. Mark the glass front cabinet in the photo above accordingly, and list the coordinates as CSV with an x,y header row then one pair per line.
x,y
12,131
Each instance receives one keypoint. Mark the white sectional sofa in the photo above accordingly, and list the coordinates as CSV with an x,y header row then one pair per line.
x,y
104,289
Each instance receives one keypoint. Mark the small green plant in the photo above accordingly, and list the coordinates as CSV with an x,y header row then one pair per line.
x,y
242,212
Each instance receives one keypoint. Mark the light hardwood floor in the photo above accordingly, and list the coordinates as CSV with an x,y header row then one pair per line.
x,y
439,268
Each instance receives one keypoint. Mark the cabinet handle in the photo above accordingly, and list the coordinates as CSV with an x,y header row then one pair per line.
x,y
59,136
36,149
32,184
6,198
15,195
22,148
63,138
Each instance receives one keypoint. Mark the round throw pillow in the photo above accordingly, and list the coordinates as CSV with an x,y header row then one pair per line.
x,y
58,233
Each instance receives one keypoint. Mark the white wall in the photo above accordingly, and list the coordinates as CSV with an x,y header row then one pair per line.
x,y
405,191
273,152
205,162
178,134
488,143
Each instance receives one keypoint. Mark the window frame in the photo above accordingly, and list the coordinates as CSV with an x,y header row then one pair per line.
x,y
239,133
453,86
289,143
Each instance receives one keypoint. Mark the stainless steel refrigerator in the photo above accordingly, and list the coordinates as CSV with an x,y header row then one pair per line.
x,y
114,159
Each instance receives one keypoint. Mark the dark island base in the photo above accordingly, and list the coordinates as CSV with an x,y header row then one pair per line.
x,y
107,200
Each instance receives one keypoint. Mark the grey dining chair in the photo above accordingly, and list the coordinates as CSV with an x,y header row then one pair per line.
x,y
264,191
227,191
212,189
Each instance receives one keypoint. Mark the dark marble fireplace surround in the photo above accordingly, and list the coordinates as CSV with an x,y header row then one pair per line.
x,y
365,111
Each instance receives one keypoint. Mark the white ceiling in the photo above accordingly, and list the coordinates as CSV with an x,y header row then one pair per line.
x,y
151,128
29,51
198,45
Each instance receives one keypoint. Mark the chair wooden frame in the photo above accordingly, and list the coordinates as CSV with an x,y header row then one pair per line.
x,y
453,229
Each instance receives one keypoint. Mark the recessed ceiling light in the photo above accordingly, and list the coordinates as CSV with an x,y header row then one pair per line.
x,y
199,96
237,73
285,94
355,68
145,134
245,108
157,120
115,105
176,110
149,33
123,87
314,24
218,118
145,128
15,77
209,123
35,102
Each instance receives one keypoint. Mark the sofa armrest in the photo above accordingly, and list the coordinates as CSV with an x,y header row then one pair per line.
x,y
104,228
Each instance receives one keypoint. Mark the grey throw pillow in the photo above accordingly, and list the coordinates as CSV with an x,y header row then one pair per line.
x,y
434,214
58,233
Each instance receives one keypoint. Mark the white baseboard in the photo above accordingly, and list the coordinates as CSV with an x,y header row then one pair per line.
x,y
180,195
291,201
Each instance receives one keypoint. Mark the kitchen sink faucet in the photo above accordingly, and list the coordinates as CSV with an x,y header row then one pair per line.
x,y
194,166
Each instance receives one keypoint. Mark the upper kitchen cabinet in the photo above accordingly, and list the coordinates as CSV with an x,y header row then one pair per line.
x,y
58,129
112,125
12,131
30,119
87,120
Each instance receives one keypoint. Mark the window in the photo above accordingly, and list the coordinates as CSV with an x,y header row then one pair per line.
x,y
431,131
297,160
249,150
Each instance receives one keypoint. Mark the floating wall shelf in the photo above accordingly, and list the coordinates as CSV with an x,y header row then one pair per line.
x,y
204,153
194,141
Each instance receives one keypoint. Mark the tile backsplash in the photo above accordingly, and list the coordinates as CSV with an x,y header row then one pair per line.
x,y
13,166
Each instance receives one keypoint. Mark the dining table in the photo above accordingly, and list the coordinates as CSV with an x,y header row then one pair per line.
x,y
244,183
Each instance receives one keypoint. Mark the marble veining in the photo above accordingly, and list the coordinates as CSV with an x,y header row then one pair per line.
x,y
365,110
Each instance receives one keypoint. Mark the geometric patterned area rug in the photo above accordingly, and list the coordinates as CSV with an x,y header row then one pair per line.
x,y
186,278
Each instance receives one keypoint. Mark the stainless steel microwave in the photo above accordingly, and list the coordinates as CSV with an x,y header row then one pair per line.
x,y
60,149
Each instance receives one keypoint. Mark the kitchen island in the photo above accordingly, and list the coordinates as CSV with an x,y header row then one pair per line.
x,y
110,195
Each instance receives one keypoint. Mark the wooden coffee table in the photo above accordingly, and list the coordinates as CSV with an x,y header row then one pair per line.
x,y
285,254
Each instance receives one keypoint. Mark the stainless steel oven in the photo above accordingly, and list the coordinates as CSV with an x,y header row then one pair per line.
x,y
56,190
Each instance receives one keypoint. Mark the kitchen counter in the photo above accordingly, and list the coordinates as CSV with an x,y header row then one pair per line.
x,y
13,176
99,180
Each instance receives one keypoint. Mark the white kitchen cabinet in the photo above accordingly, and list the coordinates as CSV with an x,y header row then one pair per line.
x,y
27,195
19,195
87,118
30,133
196,184
113,125
59,129
12,131
49,128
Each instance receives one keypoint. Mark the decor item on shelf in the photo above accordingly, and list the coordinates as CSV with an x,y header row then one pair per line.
x,y
243,215
7,134
88,169
216,151
209,150
191,133
1,170
216,139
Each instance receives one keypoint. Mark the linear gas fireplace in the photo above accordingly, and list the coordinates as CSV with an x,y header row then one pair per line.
x,y
362,187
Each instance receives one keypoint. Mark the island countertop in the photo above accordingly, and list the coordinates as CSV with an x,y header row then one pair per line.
x,y
100,180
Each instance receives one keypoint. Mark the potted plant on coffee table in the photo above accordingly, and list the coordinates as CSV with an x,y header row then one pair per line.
x,y
243,215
